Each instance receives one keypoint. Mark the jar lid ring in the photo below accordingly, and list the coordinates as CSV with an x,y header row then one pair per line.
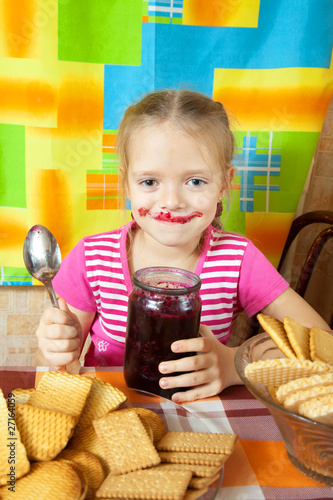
x,y
172,271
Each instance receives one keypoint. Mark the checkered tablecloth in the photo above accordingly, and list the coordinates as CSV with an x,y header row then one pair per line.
x,y
258,469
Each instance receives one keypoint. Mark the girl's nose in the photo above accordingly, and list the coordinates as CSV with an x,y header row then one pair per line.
x,y
171,198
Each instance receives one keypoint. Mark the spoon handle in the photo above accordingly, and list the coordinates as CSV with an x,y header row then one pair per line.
x,y
52,294
74,367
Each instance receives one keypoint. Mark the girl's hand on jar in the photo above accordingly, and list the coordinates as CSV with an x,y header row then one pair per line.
x,y
210,371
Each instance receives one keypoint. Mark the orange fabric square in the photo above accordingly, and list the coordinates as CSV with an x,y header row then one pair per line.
x,y
93,204
109,139
114,378
109,143
19,18
102,185
111,204
271,465
236,474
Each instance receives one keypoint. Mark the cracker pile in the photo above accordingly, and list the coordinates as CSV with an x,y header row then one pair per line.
x,y
303,381
72,442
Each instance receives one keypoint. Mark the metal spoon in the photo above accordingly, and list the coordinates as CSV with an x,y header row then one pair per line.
x,y
42,258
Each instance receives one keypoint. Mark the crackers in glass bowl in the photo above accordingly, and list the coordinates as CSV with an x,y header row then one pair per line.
x,y
72,440
302,382
287,386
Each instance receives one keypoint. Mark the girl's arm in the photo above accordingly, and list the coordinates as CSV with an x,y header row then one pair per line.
x,y
291,305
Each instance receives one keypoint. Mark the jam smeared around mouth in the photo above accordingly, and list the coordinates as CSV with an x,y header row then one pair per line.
x,y
168,217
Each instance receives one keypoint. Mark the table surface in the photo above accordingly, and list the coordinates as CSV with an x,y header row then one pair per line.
x,y
258,469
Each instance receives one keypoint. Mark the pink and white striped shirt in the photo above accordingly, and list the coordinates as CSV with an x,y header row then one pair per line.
x,y
94,277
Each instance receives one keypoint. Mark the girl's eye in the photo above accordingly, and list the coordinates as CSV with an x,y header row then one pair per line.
x,y
196,182
148,183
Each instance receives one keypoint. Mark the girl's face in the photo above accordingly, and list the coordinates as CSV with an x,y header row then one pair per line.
x,y
173,191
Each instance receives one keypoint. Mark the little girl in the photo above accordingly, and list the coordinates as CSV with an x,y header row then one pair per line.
x,y
176,150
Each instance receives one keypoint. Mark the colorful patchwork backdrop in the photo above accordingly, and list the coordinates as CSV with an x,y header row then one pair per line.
x,y
69,69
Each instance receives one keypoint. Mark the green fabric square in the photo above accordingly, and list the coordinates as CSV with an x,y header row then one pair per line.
x,y
297,150
100,31
12,166
15,276
259,201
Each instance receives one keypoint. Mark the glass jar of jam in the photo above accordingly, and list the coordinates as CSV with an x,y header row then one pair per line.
x,y
164,306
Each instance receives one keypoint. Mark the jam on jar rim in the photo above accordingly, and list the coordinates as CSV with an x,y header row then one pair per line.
x,y
167,274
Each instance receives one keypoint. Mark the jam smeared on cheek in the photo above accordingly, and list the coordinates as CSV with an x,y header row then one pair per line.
x,y
168,217
143,211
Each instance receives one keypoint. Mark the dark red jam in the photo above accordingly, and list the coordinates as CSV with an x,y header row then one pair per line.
x,y
168,308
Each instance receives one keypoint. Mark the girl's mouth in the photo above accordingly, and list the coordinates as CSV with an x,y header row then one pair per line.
x,y
168,217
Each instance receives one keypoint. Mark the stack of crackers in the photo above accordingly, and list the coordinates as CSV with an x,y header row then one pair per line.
x,y
302,382
70,440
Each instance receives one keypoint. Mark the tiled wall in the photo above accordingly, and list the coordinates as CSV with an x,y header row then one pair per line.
x,y
21,307
20,311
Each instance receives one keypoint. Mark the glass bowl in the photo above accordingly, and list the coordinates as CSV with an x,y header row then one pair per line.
x,y
309,444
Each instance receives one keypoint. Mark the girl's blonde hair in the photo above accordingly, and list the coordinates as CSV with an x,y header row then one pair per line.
x,y
189,112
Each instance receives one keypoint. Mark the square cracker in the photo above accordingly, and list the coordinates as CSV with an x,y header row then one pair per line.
x,y
103,397
197,442
44,433
276,331
61,392
125,442
151,419
321,345
193,458
298,336
197,470
148,483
